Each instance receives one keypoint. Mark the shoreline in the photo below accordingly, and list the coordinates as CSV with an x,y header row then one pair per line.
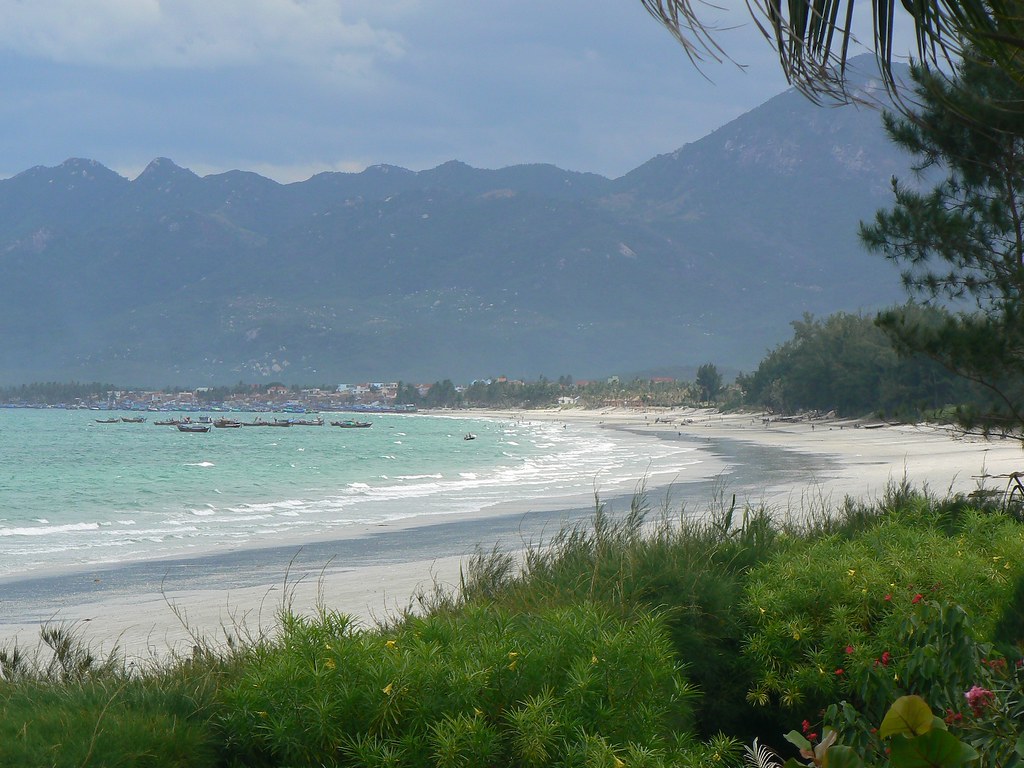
x,y
151,609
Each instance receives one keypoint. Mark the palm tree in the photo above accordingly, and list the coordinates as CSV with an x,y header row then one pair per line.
x,y
813,37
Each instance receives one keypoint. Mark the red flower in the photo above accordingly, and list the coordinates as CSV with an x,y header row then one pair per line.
x,y
848,650
886,658
917,598
840,672
805,726
888,598
996,665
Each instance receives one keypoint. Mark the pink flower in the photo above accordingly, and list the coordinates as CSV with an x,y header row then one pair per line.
x,y
917,598
888,598
978,698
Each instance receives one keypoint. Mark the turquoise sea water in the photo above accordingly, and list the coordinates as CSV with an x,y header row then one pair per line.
x,y
75,493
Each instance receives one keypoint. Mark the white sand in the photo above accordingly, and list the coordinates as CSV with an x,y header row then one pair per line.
x,y
151,625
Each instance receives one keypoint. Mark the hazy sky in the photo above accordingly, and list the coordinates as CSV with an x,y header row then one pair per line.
x,y
288,88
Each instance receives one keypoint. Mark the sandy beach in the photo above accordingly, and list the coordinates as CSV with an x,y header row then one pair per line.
x,y
791,467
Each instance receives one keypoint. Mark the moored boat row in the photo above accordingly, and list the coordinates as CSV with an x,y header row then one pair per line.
x,y
187,424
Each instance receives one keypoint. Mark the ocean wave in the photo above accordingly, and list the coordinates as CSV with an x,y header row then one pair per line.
x,y
49,530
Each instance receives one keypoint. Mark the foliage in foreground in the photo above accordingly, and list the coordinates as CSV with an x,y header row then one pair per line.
x,y
68,708
575,654
488,687
823,612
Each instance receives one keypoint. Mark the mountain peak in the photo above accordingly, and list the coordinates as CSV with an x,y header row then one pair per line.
x,y
88,170
161,168
165,176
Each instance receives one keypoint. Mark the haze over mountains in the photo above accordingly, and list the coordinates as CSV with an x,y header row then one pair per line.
x,y
704,254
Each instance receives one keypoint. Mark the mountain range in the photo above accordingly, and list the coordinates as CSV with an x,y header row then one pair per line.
x,y
705,254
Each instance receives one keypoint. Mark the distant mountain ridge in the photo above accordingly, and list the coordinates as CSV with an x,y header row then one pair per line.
x,y
703,254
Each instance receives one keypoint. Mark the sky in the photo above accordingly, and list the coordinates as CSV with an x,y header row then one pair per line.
x,y
290,88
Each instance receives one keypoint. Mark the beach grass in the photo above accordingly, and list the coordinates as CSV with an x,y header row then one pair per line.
x,y
652,637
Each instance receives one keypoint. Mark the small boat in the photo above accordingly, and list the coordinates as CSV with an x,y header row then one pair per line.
x,y
469,436
278,423
193,427
350,424
135,420
308,422
168,423
107,421
227,424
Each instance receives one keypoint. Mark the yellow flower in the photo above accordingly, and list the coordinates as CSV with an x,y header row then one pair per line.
x,y
851,572
513,664
329,663
618,763
513,654
796,634
387,690
478,712
593,659
391,644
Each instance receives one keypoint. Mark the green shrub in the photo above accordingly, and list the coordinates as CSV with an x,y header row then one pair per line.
x,y
826,611
690,568
481,687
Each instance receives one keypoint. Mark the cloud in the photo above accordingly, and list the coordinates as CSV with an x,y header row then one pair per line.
x,y
198,34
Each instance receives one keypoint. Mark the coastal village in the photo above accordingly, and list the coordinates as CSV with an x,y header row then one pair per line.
x,y
367,396
275,398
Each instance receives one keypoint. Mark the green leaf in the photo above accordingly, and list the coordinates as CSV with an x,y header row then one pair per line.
x,y
842,757
797,740
909,716
1020,745
935,749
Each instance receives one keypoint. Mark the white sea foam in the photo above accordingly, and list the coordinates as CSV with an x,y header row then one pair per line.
x,y
49,530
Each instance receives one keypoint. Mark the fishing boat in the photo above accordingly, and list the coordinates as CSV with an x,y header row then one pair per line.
x,y
168,423
193,427
469,436
318,422
107,421
350,424
133,420
227,424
